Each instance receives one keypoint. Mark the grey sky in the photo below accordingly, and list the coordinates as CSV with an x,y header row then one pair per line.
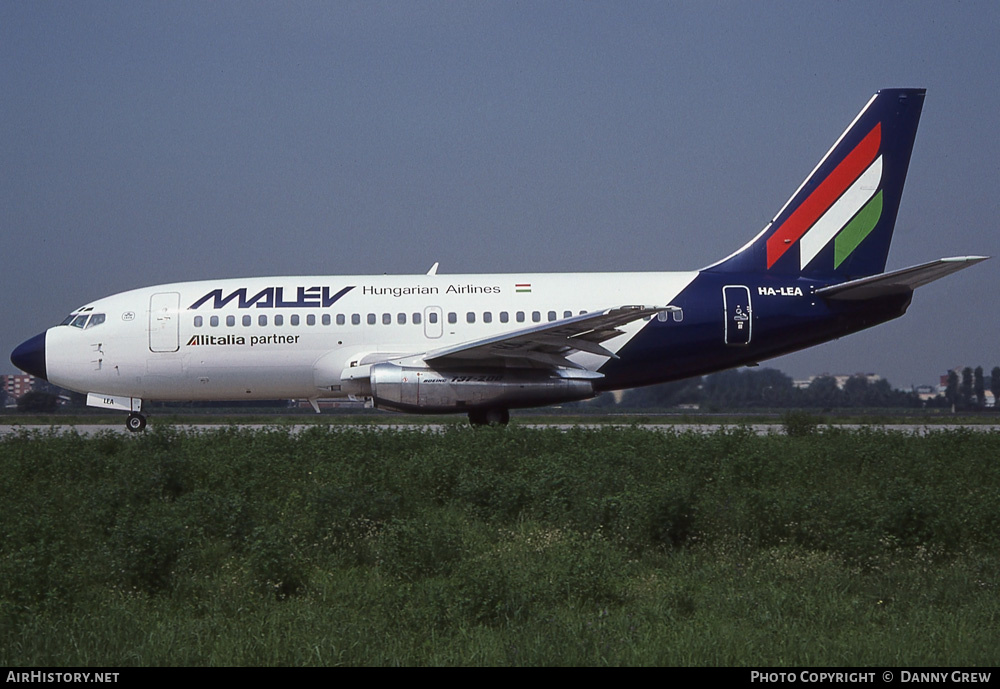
x,y
148,142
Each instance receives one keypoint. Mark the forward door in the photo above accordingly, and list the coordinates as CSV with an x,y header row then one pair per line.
x,y
164,322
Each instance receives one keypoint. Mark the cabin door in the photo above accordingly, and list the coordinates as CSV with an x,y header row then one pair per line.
x,y
164,322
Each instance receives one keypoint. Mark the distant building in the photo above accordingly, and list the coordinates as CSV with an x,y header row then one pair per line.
x,y
16,385
943,380
988,399
840,378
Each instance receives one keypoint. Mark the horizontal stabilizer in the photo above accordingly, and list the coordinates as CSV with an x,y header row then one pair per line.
x,y
898,281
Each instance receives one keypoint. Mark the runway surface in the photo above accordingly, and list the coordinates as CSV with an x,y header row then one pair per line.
x,y
706,428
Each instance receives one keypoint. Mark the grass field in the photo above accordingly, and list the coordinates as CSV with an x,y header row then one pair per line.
x,y
518,546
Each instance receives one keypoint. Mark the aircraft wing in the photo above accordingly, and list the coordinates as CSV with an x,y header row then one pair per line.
x,y
545,345
898,281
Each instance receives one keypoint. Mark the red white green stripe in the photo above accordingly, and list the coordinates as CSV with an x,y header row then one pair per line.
x,y
861,161
840,213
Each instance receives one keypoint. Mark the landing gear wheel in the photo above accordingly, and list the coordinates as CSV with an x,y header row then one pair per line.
x,y
489,417
498,417
135,422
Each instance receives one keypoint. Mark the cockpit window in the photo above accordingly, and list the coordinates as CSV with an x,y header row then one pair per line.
x,y
78,319
83,320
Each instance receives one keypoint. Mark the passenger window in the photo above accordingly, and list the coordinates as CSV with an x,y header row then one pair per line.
x,y
487,316
416,318
311,319
386,319
567,314
504,316
230,321
401,318
214,321
678,315
470,317
552,315
279,319
197,321
341,319
294,319
452,317
371,319
326,319
262,319
355,319
247,321
536,316
520,316
432,317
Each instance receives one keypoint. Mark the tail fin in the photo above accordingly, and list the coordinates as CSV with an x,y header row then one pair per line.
x,y
838,224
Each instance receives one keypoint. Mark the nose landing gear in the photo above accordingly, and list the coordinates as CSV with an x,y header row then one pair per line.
x,y
135,422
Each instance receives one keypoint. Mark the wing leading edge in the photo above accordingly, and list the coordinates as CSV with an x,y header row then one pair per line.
x,y
548,345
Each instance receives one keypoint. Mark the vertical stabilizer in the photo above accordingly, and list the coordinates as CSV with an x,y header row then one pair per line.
x,y
839,223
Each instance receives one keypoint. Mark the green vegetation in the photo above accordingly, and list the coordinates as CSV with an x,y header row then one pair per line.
x,y
355,545
756,388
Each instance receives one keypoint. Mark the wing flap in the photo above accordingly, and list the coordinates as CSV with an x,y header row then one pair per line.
x,y
546,345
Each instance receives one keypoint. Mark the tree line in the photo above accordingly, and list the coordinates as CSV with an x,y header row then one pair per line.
x,y
969,393
770,388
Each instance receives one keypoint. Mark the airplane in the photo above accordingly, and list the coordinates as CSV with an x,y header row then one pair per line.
x,y
485,344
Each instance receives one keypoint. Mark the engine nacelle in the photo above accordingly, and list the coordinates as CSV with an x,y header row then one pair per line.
x,y
420,389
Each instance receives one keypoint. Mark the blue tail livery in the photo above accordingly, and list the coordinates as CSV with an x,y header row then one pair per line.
x,y
484,344
839,222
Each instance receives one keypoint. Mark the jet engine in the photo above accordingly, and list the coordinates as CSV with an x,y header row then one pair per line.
x,y
421,389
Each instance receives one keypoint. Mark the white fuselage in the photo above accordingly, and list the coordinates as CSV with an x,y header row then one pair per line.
x,y
293,337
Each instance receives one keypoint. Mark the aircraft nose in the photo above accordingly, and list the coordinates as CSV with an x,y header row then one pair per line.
x,y
29,356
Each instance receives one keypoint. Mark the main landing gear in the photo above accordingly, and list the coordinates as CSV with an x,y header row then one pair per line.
x,y
135,422
489,417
